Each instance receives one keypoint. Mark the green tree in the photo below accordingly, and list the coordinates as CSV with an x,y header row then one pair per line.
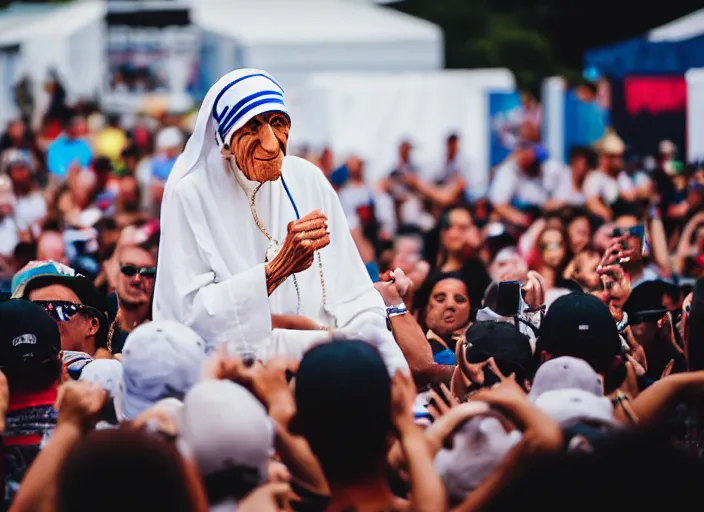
x,y
478,37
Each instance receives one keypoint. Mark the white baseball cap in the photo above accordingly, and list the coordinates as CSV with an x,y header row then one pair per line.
x,y
223,426
160,359
169,137
565,373
478,447
106,373
571,406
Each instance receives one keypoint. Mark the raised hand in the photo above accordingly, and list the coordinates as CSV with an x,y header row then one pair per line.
x,y
79,404
305,236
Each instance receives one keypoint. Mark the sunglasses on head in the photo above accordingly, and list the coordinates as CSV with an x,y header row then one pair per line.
x,y
63,311
132,270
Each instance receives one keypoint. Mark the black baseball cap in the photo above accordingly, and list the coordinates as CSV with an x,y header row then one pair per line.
x,y
28,335
509,347
645,302
580,325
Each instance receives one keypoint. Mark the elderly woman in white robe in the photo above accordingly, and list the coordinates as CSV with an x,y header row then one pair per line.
x,y
254,240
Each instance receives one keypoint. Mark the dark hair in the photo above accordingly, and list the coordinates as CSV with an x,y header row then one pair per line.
x,y
583,152
232,483
635,459
149,470
343,398
453,137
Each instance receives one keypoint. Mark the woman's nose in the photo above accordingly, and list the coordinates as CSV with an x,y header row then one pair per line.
x,y
267,138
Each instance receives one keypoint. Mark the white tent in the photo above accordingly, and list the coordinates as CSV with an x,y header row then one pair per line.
x,y
293,38
369,115
68,39
681,29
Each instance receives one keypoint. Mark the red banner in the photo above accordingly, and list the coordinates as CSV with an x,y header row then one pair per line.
x,y
655,94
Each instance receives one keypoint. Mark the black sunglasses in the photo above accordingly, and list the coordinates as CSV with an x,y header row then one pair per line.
x,y
63,311
132,270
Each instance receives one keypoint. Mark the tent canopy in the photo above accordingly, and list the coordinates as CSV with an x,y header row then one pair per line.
x,y
687,27
20,23
282,22
292,38
671,49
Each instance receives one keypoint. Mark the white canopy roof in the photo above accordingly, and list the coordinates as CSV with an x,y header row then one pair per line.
x,y
253,22
681,29
29,24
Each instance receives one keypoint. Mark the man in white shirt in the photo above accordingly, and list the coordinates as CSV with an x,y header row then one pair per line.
x,y
518,188
250,235
609,185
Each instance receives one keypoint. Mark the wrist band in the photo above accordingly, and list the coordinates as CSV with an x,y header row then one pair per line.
x,y
623,323
399,310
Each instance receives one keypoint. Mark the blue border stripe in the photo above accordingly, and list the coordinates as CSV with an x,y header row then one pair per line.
x,y
226,123
232,84
290,198
252,106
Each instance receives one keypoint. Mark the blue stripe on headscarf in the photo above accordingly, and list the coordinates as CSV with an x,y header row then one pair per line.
x,y
250,107
234,115
232,84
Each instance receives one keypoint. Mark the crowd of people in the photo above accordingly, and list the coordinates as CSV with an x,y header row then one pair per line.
x,y
551,324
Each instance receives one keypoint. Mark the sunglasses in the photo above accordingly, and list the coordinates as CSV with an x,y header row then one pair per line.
x,y
63,311
132,270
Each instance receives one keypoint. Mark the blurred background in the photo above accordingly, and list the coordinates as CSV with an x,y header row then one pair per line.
x,y
113,87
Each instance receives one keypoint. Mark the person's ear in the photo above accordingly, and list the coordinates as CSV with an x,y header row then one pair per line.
x,y
94,326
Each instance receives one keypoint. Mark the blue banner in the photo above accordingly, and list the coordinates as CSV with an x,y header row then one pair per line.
x,y
585,122
505,117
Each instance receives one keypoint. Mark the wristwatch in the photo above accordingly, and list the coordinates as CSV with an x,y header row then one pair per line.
x,y
398,310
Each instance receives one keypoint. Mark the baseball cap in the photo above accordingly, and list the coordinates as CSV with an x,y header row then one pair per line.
x,y
160,359
28,336
222,426
564,373
645,302
38,274
13,156
509,347
478,446
570,406
107,373
580,325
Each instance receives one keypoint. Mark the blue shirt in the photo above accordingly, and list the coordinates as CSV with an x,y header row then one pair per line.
x,y
64,152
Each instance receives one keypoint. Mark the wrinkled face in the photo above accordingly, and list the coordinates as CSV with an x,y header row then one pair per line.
x,y
79,328
552,248
448,307
579,233
259,146
460,232
135,290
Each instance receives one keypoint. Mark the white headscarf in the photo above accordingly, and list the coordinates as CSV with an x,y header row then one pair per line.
x,y
234,99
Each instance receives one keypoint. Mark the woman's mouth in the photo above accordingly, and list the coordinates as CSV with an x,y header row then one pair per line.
x,y
448,316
